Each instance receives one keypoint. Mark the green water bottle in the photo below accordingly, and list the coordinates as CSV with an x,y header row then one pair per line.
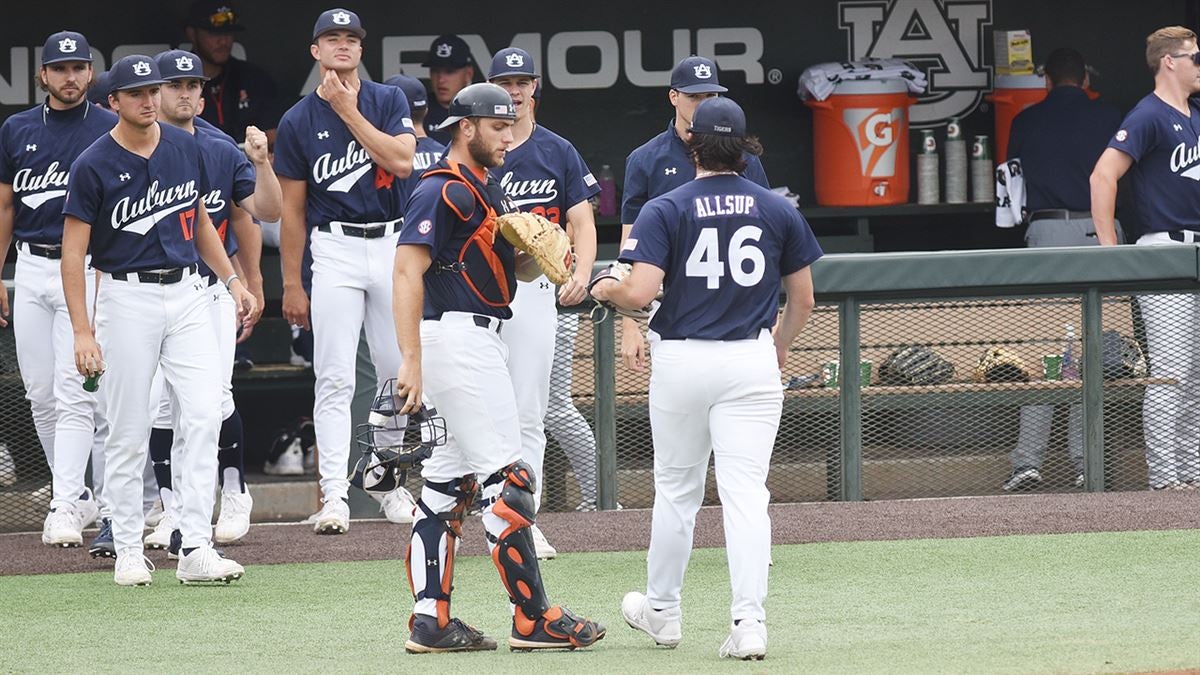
x,y
92,383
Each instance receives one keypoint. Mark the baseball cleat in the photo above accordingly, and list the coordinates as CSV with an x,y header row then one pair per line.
x,y
427,638
747,640
333,518
132,569
541,546
160,536
397,506
665,626
102,546
154,515
62,528
1022,478
86,508
287,454
205,566
234,521
558,628
176,544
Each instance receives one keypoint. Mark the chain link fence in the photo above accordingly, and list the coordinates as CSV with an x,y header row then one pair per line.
x,y
24,474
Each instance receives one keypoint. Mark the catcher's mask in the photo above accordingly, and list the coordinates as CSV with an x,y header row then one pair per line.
x,y
392,443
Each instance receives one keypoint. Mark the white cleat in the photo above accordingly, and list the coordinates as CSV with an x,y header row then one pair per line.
x,y
62,528
397,506
747,640
86,508
234,521
160,536
289,463
333,518
154,515
132,569
541,547
665,626
205,566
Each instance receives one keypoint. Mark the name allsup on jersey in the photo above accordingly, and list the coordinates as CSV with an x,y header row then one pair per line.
x,y
128,212
724,205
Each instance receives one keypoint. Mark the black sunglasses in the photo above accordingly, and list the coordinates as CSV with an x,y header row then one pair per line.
x,y
1195,56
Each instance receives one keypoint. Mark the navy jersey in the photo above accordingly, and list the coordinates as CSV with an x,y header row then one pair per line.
x,y
428,153
142,211
231,180
37,149
545,175
431,222
1165,146
202,125
662,164
436,114
344,183
724,244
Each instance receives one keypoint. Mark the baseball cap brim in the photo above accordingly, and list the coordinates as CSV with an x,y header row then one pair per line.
x,y
353,30
701,89
512,73
137,85
449,122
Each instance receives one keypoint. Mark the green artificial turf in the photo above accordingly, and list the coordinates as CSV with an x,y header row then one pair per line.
x,y
1059,603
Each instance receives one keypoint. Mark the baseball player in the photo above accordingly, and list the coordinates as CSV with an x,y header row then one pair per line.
x,y
37,150
663,164
338,155
451,67
542,174
719,246
455,276
141,186
237,189
1158,141
428,150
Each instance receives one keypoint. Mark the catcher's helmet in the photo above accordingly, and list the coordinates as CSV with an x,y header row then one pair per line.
x,y
392,443
482,99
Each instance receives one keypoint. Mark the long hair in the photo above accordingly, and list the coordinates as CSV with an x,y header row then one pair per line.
x,y
722,153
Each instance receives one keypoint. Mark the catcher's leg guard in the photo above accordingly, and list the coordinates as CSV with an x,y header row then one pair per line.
x,y
430,556
508,496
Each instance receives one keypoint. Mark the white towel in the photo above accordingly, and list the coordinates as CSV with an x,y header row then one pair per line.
x,y
818,82
1010,194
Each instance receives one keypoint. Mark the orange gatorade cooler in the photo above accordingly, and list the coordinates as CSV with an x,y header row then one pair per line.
x,y
860,144
1013,93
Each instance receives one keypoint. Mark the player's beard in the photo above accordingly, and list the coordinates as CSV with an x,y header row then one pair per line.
x,y
68,98
483,155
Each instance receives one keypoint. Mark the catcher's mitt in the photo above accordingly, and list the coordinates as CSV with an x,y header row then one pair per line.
x,y
542,239
1000,365
915,365
618,271
1123,357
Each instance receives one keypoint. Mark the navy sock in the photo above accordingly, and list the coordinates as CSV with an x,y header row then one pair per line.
x,y
188,551
231,459
160,454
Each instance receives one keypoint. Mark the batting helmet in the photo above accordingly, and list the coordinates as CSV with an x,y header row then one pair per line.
x,y
482,99
392,442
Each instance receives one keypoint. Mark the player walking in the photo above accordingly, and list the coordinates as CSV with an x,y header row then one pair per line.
x,y
338,155
454,279
37,150
134,199
721,244
542,174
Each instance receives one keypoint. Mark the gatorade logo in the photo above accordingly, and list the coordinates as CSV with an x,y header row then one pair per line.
x,y
875,132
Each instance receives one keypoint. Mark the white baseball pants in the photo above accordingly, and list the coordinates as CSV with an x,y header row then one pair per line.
x,y
529,335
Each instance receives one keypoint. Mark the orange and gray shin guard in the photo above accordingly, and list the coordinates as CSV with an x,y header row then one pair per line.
x,y
514,556
437,526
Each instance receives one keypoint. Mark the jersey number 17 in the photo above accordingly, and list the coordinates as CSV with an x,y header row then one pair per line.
x,y
705,259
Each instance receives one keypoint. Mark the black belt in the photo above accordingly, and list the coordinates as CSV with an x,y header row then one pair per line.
x,y
164,277
376,232
1181,235
479,319
1058,214
43,250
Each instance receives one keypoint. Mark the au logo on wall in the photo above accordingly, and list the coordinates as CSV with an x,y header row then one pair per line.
x,y
944,38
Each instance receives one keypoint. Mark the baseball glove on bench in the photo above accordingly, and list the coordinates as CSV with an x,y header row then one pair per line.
x,y
542,239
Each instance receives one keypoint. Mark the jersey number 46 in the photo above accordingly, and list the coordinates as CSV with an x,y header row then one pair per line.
x,y
705,259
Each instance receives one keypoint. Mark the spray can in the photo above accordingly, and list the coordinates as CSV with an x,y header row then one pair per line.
x,y
928,189
983,186
956,163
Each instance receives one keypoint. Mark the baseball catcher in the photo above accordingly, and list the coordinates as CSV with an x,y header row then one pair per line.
x,y
545,241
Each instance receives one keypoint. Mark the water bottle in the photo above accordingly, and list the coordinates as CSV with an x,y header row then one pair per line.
x,y
956,163
928,191
608,192
1070,367
92,383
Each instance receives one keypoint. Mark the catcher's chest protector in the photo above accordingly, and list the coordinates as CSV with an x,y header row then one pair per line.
x,y
480,264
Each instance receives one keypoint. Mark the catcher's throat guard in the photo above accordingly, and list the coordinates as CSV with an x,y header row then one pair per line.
x,y
392,443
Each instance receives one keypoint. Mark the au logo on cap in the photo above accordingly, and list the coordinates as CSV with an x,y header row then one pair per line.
x,y
67,46
341,18
141,68
184,63
703,71
515,60
444,50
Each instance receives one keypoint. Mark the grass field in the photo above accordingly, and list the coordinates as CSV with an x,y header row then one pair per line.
x,y
1055,603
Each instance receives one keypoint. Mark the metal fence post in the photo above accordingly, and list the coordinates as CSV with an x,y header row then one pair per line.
x,y
850,401
1093,393
605,356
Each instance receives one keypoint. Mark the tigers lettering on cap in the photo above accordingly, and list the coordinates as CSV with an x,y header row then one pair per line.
x,y
696,75
338,19
719,116
214,17
66,45
177,64
510,62
482,99
132,72
448,51
413,90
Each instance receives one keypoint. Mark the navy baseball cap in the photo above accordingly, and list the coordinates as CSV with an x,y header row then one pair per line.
x,y
214,17
719,116
98,92
66,45
696,75
338,19
132,72
413,90
511,61
448,51
177,64
537,90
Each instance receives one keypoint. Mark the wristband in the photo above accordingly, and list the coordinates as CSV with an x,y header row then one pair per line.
x,y
230,281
